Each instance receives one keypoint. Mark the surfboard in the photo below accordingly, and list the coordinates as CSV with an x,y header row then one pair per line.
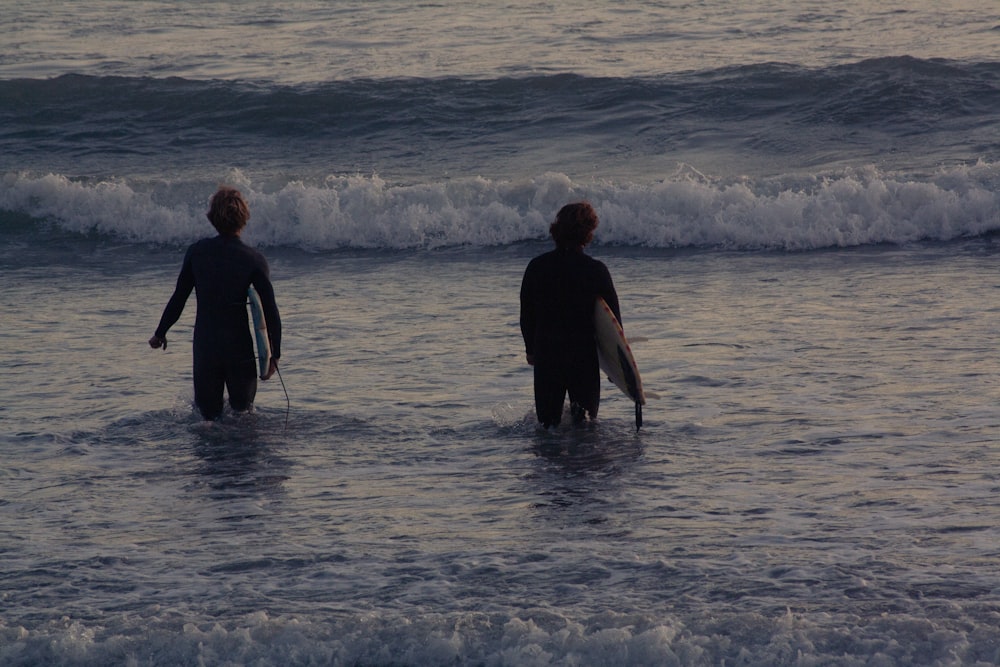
x,y
260,332
615,357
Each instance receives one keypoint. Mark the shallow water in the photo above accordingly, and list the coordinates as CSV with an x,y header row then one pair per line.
x,y
814,477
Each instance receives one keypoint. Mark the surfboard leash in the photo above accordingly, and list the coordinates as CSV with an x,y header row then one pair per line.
x,y
288,402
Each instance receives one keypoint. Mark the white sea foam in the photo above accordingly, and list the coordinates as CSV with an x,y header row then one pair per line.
x,y
605,640
852,208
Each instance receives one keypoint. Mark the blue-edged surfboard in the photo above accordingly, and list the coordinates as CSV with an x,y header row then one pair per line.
x,y
260,332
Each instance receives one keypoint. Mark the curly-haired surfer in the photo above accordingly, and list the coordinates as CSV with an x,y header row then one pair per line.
x,y
558,293
221,269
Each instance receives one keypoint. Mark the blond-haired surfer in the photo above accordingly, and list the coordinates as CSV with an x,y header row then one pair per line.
x,y
558,293
221,269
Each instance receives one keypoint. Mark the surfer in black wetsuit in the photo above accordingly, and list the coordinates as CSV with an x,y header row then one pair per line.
x,y
558,294
221,270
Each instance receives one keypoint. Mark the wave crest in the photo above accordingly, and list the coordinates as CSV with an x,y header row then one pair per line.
x,y
852,208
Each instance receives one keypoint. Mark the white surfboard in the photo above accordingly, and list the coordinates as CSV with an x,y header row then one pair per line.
x,y
615,356
260,332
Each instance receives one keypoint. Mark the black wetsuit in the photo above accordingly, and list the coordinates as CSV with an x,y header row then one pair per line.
x,y
558,293
221,269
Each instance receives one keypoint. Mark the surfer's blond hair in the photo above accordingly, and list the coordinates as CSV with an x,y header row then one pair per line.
x,y
574,226
228,211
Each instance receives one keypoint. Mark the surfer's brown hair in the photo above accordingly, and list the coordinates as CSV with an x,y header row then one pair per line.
x,y
228,211
574,226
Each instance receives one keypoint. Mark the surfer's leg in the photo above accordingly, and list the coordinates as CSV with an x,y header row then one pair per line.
x,y
209,381
585,391
241,381
550,392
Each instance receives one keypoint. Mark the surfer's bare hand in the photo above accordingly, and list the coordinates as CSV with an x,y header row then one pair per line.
x,y
271,369
156,342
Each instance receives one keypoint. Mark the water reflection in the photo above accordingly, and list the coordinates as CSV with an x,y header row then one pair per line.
x,y
240,456
590,446
582,474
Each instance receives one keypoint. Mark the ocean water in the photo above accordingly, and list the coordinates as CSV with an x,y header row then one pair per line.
x,y
798,205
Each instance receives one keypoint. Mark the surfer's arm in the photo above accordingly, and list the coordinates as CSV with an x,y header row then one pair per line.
x,y
262,284
610,296
527,320
174,307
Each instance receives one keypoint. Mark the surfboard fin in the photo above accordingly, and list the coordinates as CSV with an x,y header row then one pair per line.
x,y
638,416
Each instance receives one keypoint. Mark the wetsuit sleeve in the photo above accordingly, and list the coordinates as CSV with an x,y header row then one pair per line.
x,y
528,323
174,307
262,283
606,288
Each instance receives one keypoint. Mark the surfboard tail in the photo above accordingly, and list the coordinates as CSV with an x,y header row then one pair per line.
x,y
632,383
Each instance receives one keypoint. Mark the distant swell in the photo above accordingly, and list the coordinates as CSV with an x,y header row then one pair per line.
x,y
855,207
873,91
891,109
